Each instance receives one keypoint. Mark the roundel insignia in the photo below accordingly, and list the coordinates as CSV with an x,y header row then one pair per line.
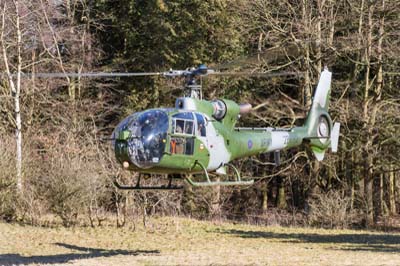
x,y
249,144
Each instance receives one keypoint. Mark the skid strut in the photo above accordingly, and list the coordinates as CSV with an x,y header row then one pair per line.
x,y
170,186
237,182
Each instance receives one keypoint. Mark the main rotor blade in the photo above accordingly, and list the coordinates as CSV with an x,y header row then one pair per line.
x,y
278,52
258,74
143,74
86,74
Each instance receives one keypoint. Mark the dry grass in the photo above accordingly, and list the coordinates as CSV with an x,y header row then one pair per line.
x,y
179,241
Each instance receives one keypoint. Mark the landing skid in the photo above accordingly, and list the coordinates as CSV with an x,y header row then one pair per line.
x,y
170,186
208,183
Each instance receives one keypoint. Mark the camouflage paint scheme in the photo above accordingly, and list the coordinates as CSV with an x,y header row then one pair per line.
x,y
223,142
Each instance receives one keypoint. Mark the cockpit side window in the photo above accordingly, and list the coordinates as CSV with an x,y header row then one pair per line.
x,y
189,127
183,123
179,126
201,125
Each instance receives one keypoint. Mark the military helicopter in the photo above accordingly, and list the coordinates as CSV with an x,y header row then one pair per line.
x,y
199,137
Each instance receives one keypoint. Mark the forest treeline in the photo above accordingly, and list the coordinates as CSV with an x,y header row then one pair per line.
x,y
53,159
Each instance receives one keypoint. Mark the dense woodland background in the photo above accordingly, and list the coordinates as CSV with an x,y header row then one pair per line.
x,y
66,169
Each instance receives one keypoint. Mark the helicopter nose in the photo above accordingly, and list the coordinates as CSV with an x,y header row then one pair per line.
x,y
121,147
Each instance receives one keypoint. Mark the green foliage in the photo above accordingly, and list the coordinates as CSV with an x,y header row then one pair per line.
x,y
158,35
154,35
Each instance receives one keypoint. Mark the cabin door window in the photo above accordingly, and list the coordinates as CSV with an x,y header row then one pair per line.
x,y
182,139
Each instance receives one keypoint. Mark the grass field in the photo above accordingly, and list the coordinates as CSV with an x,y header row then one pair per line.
x,y
180,241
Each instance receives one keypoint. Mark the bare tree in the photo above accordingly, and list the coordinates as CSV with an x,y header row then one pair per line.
x,y
12,36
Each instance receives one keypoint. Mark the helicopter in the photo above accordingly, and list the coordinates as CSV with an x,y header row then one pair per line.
x,y
200,137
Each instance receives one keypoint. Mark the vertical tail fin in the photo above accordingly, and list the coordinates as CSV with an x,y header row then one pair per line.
x,y
321,132
323,91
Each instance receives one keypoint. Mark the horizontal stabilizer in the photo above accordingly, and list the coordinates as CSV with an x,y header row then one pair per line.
x,y
335,137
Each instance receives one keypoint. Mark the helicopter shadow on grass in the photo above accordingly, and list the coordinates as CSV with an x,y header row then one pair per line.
x,y
350,242
84,253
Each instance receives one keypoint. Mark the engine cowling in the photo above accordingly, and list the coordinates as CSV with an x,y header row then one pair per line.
x,y
222,110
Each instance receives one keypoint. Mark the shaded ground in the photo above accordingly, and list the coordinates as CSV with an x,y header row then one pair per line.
x,y
178,241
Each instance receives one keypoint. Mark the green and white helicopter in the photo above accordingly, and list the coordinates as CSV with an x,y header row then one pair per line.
x,y
199,137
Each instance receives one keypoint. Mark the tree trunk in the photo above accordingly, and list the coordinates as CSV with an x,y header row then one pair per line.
x,y
216,199
18,136
369,218
18,122
297,194
392,197
264,197
15,88
319,35
306,47
188,205
378,196
358,57
281,197
350,175
368,163
378,184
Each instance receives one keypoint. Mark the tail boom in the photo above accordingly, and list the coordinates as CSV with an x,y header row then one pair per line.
x,y
319,131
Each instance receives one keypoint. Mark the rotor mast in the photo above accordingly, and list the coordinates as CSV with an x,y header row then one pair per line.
x,y
191,89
